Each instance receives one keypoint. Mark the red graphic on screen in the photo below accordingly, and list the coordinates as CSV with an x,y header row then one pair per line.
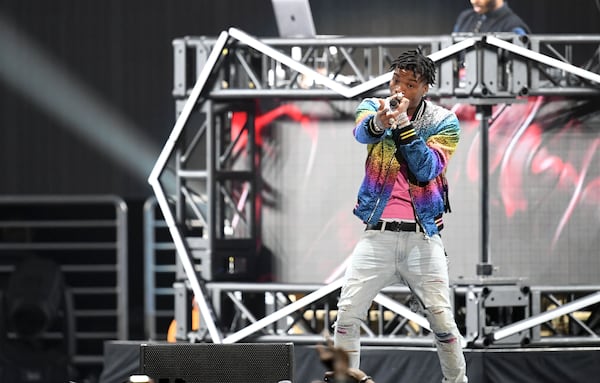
x,y
544,144
544,171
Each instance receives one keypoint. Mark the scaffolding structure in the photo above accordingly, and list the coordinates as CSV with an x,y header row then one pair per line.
x,y
212,210
93,262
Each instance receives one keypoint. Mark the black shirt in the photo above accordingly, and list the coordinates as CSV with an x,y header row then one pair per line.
x,y
502,19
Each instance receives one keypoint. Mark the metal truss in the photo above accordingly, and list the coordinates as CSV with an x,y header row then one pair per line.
x,y
573,317
494,313
503,65
302,313
213,212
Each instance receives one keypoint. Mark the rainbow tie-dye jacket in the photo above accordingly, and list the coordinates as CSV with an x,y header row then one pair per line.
x,y
426,145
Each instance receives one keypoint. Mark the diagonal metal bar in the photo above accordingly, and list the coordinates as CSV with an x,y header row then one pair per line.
x,y
161,198
535,56
352,64
553,299
203,77
285,311
231,203
288,61
184,257
545,316
188,197
326,81
242,201
403,324
240,306
193,142
556,53
232,144
337,70
402,310
306,325
367,330
453,49
304,60
248,70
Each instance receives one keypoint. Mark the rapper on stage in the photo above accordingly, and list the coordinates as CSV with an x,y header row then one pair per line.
x,y
403,196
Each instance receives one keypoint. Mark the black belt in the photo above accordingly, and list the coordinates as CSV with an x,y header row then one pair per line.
x,y
394,226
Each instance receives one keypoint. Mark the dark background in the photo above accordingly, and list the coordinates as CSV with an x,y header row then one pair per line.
x,y
120,50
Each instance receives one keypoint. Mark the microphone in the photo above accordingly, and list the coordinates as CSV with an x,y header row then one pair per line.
x,y
391,103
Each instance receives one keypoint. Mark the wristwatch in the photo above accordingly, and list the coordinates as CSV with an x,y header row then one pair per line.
x,y
365,379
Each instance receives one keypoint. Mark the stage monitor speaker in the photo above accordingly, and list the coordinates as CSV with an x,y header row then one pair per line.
x,y
218,363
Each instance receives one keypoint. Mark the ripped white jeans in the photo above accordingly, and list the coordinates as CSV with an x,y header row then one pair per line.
x,y
384,258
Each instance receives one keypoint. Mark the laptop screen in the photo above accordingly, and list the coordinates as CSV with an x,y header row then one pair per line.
x,y
294,18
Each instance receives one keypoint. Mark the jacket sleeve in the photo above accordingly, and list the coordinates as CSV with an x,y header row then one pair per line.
x,y
427,158
364,131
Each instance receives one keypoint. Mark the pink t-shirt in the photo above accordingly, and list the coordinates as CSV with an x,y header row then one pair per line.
x,y
399,206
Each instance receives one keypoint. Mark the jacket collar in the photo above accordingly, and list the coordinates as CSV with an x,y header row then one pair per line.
x,y
419,111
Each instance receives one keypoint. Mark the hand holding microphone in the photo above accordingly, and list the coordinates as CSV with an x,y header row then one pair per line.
x,y
392,112
391,103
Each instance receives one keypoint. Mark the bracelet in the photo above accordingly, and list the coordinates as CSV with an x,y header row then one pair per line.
x,y
374,130
365,379
377,124
403,120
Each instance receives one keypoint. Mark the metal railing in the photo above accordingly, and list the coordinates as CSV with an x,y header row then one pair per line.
x,y
160,272
87,237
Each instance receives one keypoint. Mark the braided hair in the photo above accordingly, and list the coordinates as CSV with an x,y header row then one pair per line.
x,y
414,60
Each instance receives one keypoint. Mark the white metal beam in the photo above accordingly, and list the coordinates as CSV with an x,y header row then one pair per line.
x,y
543,59
282,313
546,316
161,198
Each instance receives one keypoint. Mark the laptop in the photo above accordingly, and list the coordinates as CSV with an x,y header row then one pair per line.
x,y
294,18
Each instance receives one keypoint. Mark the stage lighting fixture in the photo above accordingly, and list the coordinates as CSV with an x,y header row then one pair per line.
x,y
33,297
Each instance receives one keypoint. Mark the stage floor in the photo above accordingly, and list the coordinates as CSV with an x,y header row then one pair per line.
x,y
414,365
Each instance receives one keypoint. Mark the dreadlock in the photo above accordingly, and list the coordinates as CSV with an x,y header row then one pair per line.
x,y
414,60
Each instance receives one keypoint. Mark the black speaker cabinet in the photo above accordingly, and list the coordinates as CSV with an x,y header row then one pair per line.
x,y
218,363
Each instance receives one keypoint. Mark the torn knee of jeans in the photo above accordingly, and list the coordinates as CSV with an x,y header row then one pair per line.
x,y
442,325
346,329
439,311
445,337
436,311
436,282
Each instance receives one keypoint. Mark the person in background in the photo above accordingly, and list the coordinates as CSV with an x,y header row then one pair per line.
x,y
487,16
